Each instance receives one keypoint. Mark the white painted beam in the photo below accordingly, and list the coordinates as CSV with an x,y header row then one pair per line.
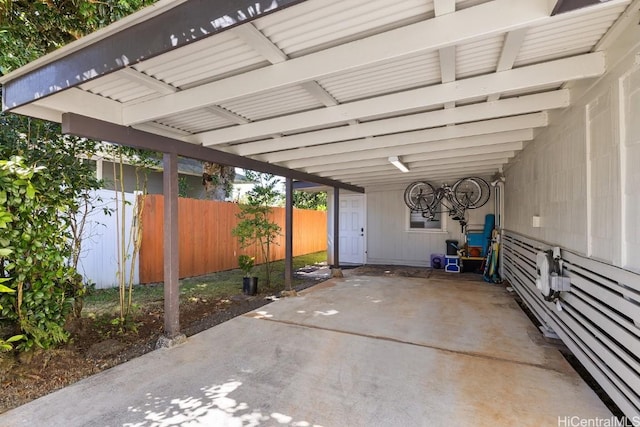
x,y
436,177
444,7
319,93
416,137
467,169
259,42
468,113
439,155
510,49
417,166
447,64
160,129
416,172
558,71
78,101
136,76
447,30
229,115
429,147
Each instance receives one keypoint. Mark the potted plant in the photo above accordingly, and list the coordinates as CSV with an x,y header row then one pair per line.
x,y
249,283
256,229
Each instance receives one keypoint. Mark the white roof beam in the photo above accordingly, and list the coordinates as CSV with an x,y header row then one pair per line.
x,y
134,75
510,49
272,53
417,166
447,30
259,42
416,137
558,71
448,64
429,147
392,171
229,115
467,113
447,54
440,155
444,7
421,174
79,101
314,88
160,129
434,177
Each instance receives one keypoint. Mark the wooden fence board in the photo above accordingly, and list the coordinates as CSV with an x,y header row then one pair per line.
x,y
206,243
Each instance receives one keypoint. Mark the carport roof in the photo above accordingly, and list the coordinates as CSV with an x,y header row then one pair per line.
x,y
328,88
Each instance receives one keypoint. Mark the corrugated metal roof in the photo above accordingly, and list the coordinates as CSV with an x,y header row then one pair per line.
x,y
196,121
273,103
567,34
390,76
478,57
118,87
315,25
206,60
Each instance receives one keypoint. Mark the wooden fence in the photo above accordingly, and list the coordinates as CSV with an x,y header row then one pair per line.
x,y
206,242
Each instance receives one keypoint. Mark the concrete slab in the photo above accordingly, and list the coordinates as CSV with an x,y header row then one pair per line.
x,y
358,351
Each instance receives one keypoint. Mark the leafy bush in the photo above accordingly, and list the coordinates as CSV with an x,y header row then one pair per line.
x,y
34,248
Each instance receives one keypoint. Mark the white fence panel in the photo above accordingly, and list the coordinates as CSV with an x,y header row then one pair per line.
x,y
98,258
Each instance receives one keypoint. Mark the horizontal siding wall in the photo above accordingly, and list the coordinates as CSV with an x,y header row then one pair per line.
x,y
206,242
599,319
389,240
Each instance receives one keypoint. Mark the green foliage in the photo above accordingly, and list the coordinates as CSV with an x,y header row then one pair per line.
x,y
306,200
37,242
246,264
256,228
29,29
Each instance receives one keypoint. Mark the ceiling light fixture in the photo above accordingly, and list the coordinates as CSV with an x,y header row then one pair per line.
x,y
395,161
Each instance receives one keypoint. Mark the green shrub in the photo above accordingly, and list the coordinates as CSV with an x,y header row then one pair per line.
x,y
35,247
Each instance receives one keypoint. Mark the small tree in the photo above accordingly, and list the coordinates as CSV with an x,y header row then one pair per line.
x,y
255,226
128,241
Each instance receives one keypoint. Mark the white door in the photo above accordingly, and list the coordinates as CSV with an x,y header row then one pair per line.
x,y
351,231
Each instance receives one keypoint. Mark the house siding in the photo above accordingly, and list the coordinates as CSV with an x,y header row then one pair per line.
x,y
388,239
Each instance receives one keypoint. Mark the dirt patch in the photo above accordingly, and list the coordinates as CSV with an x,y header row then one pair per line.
x,y
96,345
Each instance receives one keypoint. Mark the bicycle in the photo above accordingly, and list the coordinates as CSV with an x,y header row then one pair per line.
x,y
466,193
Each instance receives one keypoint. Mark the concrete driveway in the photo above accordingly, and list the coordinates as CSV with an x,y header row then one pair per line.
x,y
358,351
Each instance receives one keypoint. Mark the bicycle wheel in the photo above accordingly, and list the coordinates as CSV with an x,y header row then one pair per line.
x,y
419,196
471,193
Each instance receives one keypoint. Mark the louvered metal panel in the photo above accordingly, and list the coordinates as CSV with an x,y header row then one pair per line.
x,y
205,60
119,88
567,34
479,57
273,103
196,121
391,76
599,320
315,25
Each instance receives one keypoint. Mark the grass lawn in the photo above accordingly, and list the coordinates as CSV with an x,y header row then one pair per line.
x,y
222,284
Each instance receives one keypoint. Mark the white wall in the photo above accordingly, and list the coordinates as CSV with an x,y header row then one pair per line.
x,y
99,246
388,239
581,175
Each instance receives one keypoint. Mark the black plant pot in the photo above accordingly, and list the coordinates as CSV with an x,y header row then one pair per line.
x,y
250,285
